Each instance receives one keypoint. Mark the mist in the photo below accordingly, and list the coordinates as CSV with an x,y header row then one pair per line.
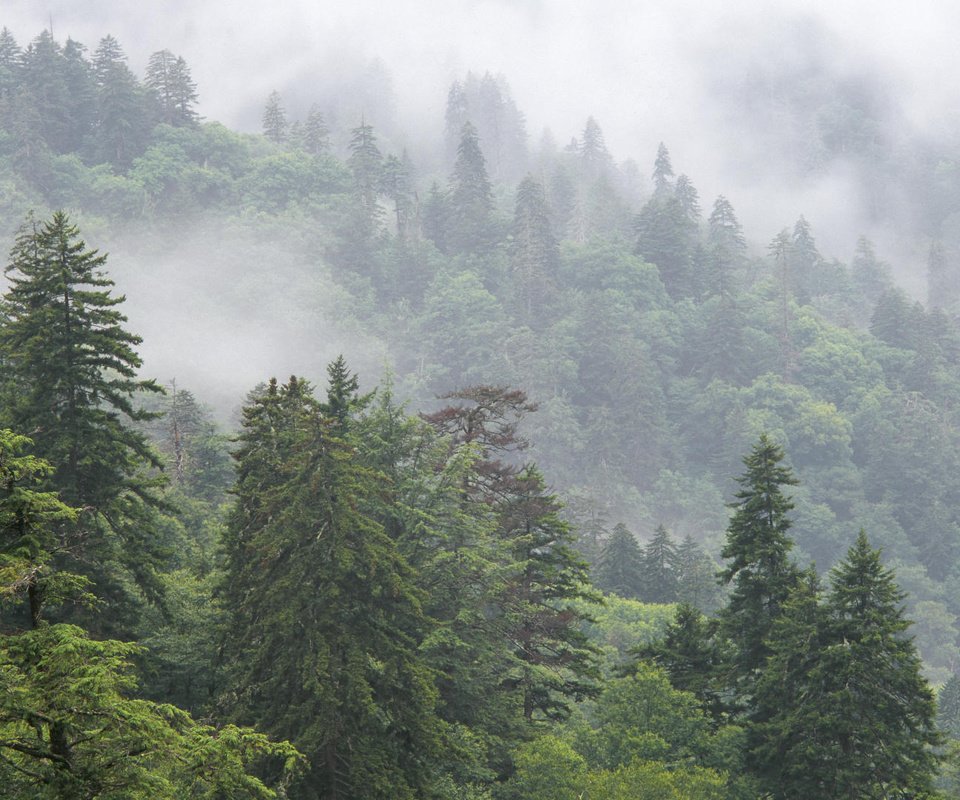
x,y
720,84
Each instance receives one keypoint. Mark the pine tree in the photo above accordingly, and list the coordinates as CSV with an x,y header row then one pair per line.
x,y
595,159
73,368
948,707
274,119
757,548
11,62
696,576
620,567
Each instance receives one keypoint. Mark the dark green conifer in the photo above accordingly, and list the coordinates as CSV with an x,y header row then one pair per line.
x,y
759,568
73,370
470,228
659,569
620,567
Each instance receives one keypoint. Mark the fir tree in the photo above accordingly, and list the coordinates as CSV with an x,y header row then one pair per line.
x,y
557,663
121,129
175,93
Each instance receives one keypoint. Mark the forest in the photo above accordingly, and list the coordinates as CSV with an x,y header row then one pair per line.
x,y
552,482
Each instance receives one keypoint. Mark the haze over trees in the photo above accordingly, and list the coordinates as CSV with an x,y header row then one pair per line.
x,y
493,573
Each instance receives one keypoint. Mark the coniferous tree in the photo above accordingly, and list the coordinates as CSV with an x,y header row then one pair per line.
x,y
326,619
470,227
843,710
121,129
11,61
73,369
274,120
533,250
619,569
759,568
168,79
691,655
948,707
595,159
315,138
696,576
727,247
662,172
659,571
556,662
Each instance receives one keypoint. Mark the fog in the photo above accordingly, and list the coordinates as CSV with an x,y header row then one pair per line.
x,y
690,74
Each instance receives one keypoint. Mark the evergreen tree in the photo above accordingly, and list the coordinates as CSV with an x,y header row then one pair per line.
x,y
727,247
326,619
121,129
662,172
844,711
696,576
948,707
757,549
73,370
436,217
806,264
690,653
557,663
533,250
395,184
595,159
620,567
316,134
274,119
470,228
168,79
11,62
659,569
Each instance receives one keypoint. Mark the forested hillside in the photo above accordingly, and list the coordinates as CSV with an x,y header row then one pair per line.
x,y
513,561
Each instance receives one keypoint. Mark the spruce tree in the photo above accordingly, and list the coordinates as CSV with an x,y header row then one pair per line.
x,y
659,569
122,126
620,567
759,568
662,172
470,227
533,251
325,617
274,119
72,368
843,710
556,662
728,247
883,708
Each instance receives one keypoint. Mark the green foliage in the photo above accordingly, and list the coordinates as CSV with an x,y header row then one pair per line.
x,y
73,370
70,729
759,568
